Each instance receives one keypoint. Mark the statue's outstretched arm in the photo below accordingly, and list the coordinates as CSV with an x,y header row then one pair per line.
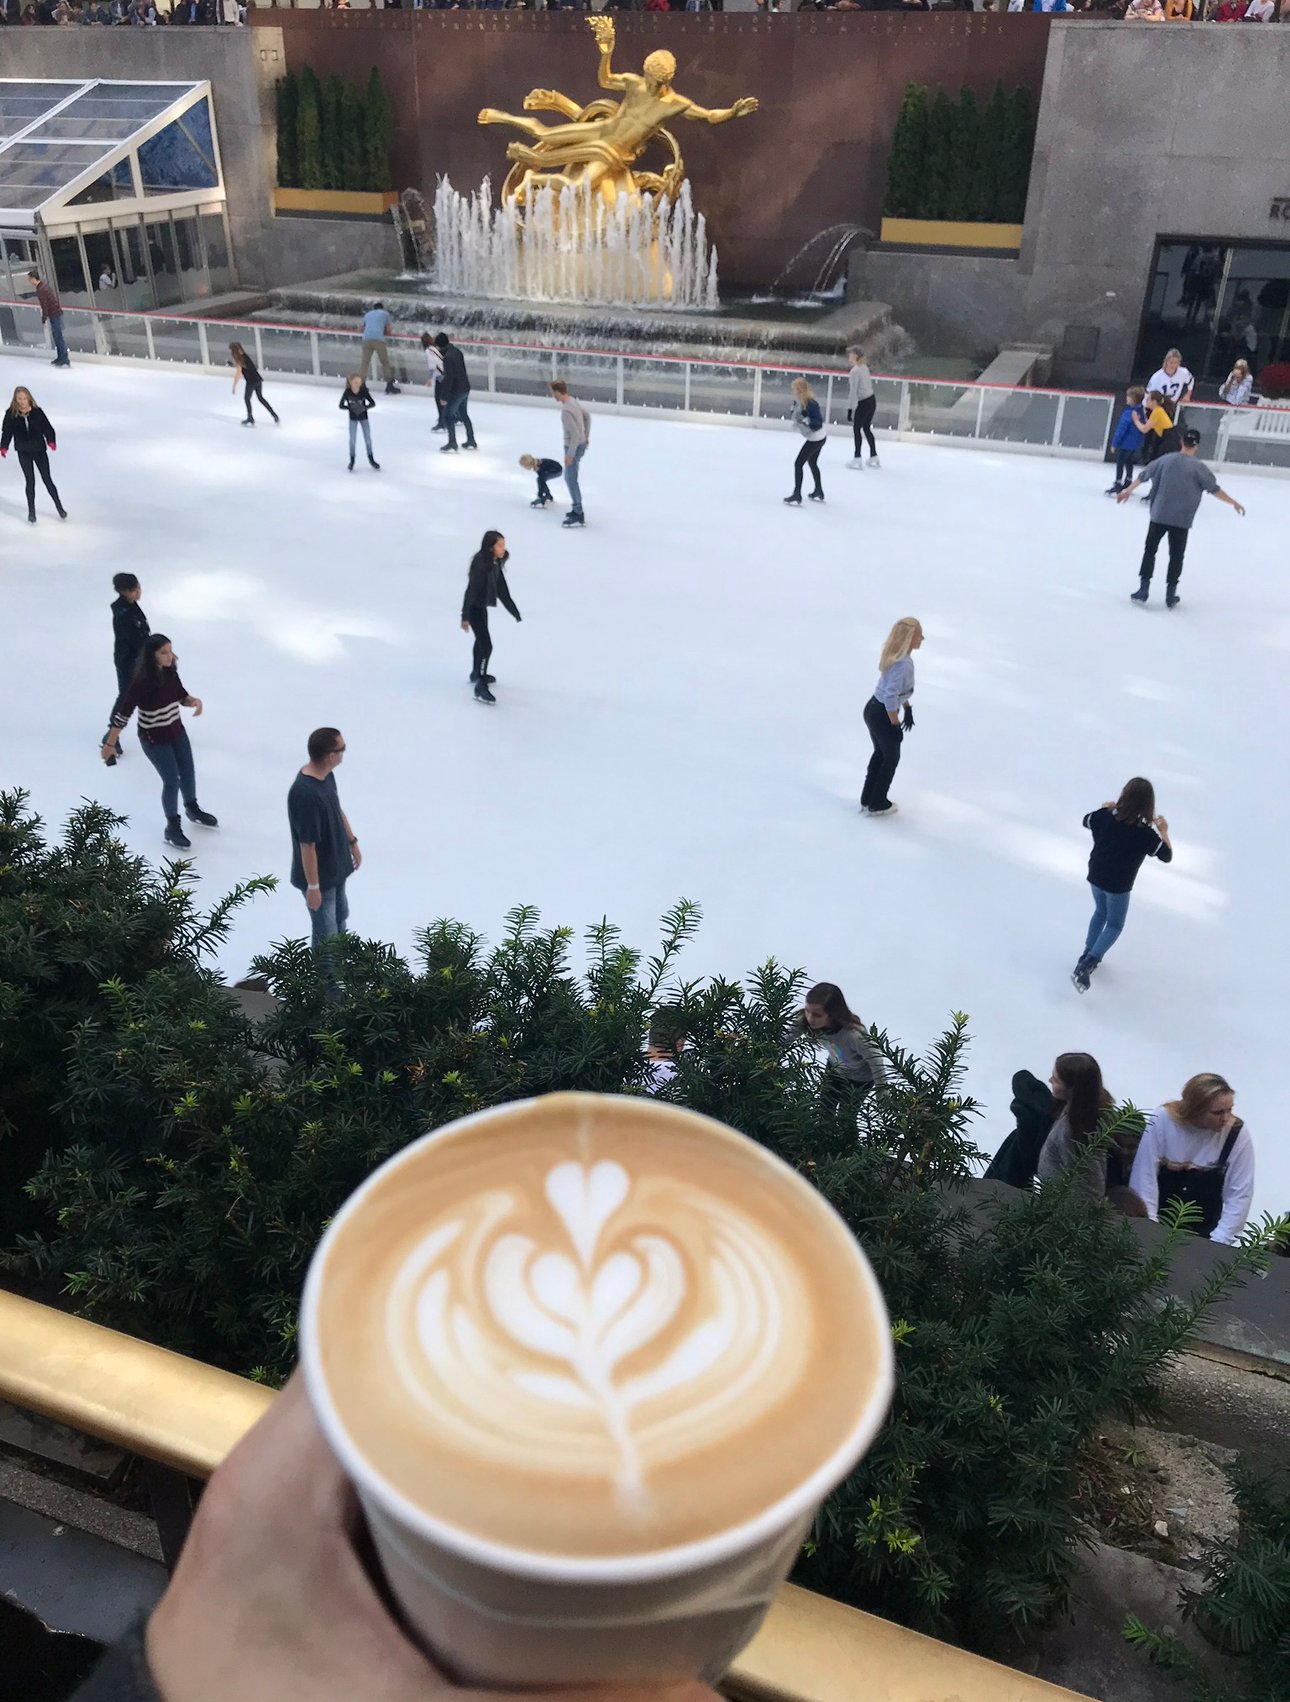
x,y
602,28
719,115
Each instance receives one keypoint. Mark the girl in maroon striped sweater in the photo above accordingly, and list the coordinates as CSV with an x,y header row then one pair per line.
x,y
158,693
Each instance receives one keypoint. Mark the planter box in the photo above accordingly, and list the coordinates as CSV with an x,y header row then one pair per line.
x,y
951,233
335,203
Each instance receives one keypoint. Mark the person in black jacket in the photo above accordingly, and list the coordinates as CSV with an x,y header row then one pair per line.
x,y
356,400
27,427
129,631
1125,834
485,588
252,383
456,394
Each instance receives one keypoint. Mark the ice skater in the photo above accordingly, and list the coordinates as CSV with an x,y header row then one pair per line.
x,y
485,587
808,419
356,400
456,395
377,325
27,427
51,314
576,422
129,634
434,383
1130,434
856,1065
862,405
1125,834
1178,482
253,384
888,715
158,693
546,470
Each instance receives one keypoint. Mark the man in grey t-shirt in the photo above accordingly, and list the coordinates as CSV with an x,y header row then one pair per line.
x,y
1177,483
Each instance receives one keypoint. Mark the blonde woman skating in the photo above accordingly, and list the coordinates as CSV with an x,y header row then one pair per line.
x,y
888,716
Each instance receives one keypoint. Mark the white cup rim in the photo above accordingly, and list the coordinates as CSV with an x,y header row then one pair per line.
x,y
585,1569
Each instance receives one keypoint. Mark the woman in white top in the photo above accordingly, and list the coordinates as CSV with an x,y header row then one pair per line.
x,y
1235,388
1259,12
888,716
1195,1149
434,365
862,404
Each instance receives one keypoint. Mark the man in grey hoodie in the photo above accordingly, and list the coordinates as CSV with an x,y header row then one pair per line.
x,y
577,435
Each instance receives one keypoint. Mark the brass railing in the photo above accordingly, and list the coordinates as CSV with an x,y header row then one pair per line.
x,y
187,1416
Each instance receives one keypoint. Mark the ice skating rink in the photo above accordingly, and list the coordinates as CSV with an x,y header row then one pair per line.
x,y
680,712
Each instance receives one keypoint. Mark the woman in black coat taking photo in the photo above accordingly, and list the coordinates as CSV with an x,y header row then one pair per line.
x,y
485,587
27,427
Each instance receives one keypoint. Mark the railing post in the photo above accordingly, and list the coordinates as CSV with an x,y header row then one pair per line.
x,y
621,376
315,356
980,410
259,349
756,392
203,342
828,401
1057,423
100,336
686,403
490,363
902,413
147,332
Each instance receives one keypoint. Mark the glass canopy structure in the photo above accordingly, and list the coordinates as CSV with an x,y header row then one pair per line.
x,y
113,190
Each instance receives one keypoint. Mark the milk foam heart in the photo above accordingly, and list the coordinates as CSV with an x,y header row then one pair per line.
x,y
578,1328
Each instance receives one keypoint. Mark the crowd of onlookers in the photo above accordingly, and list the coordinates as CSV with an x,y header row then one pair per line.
x,y
148,13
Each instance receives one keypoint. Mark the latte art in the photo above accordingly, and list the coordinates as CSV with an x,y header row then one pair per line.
x,y
572,1333
587,1327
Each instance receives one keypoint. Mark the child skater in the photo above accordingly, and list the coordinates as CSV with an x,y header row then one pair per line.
x,y
356,400
855,1064
1130,434
252,382
546,469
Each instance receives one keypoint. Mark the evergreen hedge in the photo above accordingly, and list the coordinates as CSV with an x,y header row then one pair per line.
x,y
333,135
957,160
180,1161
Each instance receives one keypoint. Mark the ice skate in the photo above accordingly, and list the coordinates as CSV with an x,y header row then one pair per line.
x,y
793,501
60,510
351,463
374,464
574,517
482,693
176,836
539,502
817,496
471,444
196,813
1172,599
882,811
1080,977
475,676
1142,593
392,389
248,422
856,464
1113,490
447,449
875,466
31,518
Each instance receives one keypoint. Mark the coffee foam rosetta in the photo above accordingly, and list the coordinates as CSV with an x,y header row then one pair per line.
x,y
579,1335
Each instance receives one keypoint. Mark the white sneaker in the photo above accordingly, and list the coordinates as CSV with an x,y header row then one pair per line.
x,y
856,464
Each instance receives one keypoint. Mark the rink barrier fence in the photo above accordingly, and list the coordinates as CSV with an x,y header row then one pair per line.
x,y
186,1416
1074,423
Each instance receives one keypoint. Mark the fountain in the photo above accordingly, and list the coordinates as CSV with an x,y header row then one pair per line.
x,y
570,244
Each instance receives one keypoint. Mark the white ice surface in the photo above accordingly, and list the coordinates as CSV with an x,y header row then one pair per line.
x,y
680,711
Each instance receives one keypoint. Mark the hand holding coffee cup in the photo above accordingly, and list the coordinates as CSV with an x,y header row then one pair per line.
x,y
591,1363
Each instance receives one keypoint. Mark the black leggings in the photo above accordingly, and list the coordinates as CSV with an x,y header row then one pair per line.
x,y
255,387
31,465
477,615
862,421
887,740
808,456
1177,536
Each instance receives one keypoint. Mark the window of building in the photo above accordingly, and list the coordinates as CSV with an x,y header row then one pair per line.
x,y
1217,301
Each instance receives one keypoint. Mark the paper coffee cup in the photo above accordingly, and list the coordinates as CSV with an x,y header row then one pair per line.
x,y
592,1363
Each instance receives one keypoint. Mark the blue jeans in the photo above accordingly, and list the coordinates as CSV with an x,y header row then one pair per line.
x,y
353,437
56,332
571,478
331,915
1109,912
174,763
454,415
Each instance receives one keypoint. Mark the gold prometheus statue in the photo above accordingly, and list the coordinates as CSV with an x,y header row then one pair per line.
x,y
601,143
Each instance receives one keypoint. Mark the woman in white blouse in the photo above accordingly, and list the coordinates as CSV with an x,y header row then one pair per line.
x,y
1235,388
1196,1149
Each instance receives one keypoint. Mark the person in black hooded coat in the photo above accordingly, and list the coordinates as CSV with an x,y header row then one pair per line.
x,y
485,587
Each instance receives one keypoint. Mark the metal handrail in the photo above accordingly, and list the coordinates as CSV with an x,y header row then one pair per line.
x,y
188,1415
